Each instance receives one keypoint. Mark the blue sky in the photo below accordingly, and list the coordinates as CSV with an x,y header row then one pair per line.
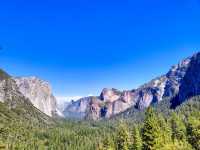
x,y
81,46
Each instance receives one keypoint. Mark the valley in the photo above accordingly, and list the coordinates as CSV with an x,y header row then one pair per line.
x,y
162,114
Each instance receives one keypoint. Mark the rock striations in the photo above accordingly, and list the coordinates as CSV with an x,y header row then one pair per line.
x,y
180,83
39,93
12,101
112,101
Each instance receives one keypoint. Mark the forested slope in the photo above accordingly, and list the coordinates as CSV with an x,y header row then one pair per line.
x,y
160,129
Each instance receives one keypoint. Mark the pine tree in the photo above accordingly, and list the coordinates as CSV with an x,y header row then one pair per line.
x,y
100,145
178,128
151,131
123,138
193,131
108,143
165,130
136,139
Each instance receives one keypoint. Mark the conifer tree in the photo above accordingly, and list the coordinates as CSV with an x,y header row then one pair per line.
x,y
123,138
151,131
108,143
178,128
136,139
100,146
165,130
193,131
166,137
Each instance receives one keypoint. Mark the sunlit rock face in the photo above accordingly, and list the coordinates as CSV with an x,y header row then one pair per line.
x,y
149,93
109,103
4,78
162,87
94,110
9,92
39,93
175,77
182,81
110,95
2,91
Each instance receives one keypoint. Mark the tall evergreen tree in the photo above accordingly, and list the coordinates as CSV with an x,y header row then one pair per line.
x,y
178,128
151,131
136,139
165,130
193,131
123,138
108,143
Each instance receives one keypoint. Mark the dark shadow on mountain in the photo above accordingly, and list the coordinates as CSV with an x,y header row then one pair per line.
x,y
174,102
190,84
104,111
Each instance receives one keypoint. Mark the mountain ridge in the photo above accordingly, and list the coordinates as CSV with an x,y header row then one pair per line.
x,y
12,101
112,101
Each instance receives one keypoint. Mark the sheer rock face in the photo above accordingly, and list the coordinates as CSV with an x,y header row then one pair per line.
x,y
9,93
14,101
190,84
39,93
175,77
182,80
94,111
110,95
77,109
2,90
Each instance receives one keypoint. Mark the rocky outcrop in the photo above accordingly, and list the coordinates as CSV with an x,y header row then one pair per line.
x,y
175,77
39,93
77,109
110,95
15,103
9,93
190,83
182,80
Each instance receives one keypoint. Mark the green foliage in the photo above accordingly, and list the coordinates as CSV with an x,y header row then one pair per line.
x,y
123,138
165,133
168,130
178,128
193,130
108,144
151,131
136,143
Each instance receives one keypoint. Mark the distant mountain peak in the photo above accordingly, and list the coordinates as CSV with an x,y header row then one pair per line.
x,y
112,101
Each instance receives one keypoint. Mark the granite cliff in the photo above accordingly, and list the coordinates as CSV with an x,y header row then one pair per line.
x,y
181,82
39,92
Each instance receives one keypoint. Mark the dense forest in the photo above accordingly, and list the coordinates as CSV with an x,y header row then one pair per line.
x,y
157,128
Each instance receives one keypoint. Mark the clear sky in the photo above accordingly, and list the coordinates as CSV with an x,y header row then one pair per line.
x,y
82,46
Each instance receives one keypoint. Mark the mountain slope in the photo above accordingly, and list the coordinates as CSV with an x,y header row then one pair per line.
x,y
190,84
14,106
173,84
